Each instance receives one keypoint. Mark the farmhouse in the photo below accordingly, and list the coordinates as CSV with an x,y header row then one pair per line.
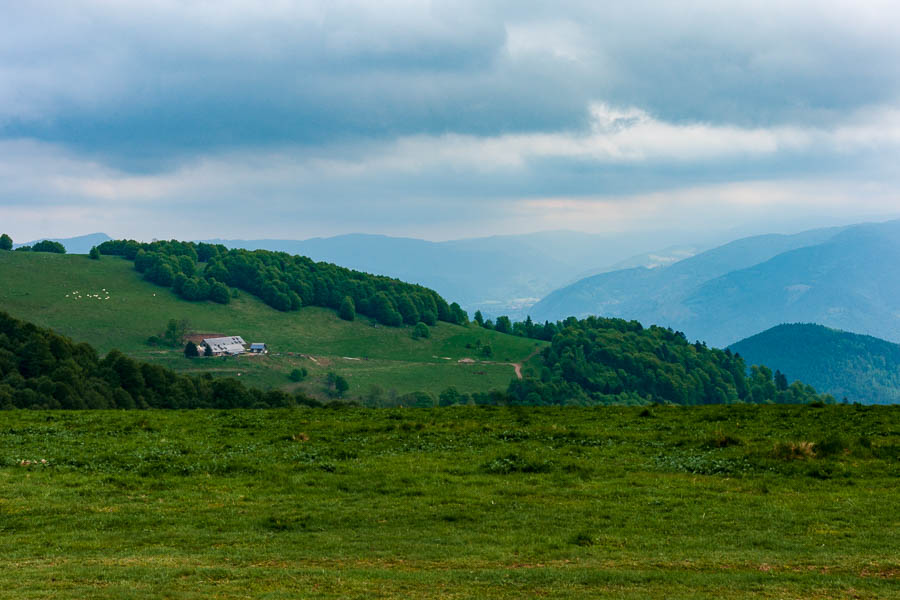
x,y
231,345
258,348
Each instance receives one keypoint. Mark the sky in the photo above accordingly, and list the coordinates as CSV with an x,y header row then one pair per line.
x,y
439,120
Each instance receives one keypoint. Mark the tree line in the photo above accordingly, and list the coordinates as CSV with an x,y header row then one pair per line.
x,y
44,370
200,271
6,243
604,361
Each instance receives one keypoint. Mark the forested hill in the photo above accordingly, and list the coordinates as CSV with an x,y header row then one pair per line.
x,y
42,369
860,368
606,361
200,271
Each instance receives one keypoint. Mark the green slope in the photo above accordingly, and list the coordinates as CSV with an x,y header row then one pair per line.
x,y
860,368
467,503
68,294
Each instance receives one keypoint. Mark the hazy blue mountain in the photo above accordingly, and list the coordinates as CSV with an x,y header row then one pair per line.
x,y
658,295
849,282
501,274
81,244
860,368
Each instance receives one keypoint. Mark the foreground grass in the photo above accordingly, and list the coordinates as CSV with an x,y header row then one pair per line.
x,y
40,287
717,502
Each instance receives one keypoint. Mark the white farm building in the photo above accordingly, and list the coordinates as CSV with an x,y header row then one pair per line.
x,y
231,345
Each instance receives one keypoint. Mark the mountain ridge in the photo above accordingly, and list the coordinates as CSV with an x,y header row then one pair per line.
x,y
728,293
860,368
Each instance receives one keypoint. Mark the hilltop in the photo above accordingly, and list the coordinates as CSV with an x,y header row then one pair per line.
x,y
499,275
68,294
860,368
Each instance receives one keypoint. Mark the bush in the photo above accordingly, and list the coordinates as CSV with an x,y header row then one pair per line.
x,y
298,374
94,253
722,440
421,331
829,446
348,310
190,350
49,246
793,450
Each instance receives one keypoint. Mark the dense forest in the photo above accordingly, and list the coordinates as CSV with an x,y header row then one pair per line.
x,y
604,361
41,369
860,368
209,272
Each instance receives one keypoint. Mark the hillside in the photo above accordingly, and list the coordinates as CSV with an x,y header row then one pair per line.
x,y
68,294
613,361
656,295
848,282
597,361
859,368
498,275
840,277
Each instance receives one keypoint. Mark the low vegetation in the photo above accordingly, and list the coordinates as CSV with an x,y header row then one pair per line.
x,y
728,502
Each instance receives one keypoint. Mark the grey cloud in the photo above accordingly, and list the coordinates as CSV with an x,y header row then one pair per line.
x,y
147,86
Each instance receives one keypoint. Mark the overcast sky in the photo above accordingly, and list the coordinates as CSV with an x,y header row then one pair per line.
x,y
240,119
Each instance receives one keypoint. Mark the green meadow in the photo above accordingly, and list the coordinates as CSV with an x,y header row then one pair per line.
x,y
68,293
464,502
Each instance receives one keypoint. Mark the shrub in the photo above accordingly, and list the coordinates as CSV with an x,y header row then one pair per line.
x,y
348,310
793,450
421,331
829,446
722,440
49,246
298,374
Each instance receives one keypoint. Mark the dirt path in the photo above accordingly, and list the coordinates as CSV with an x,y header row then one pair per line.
x,y
518,366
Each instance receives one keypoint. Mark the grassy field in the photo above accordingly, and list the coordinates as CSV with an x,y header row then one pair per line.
x,y
68,293
470,502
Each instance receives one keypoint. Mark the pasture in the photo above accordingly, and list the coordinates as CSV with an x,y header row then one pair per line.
x,y
108,305
463,502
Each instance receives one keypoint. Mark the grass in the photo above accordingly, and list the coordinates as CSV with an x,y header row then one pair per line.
x,y
468,502
40,287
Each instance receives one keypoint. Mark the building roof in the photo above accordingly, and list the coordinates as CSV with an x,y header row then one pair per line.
x,y
257,345
229,345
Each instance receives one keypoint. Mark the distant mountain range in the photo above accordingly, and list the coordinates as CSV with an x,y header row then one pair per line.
x,y
497,275
860,368
843,277
74,245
